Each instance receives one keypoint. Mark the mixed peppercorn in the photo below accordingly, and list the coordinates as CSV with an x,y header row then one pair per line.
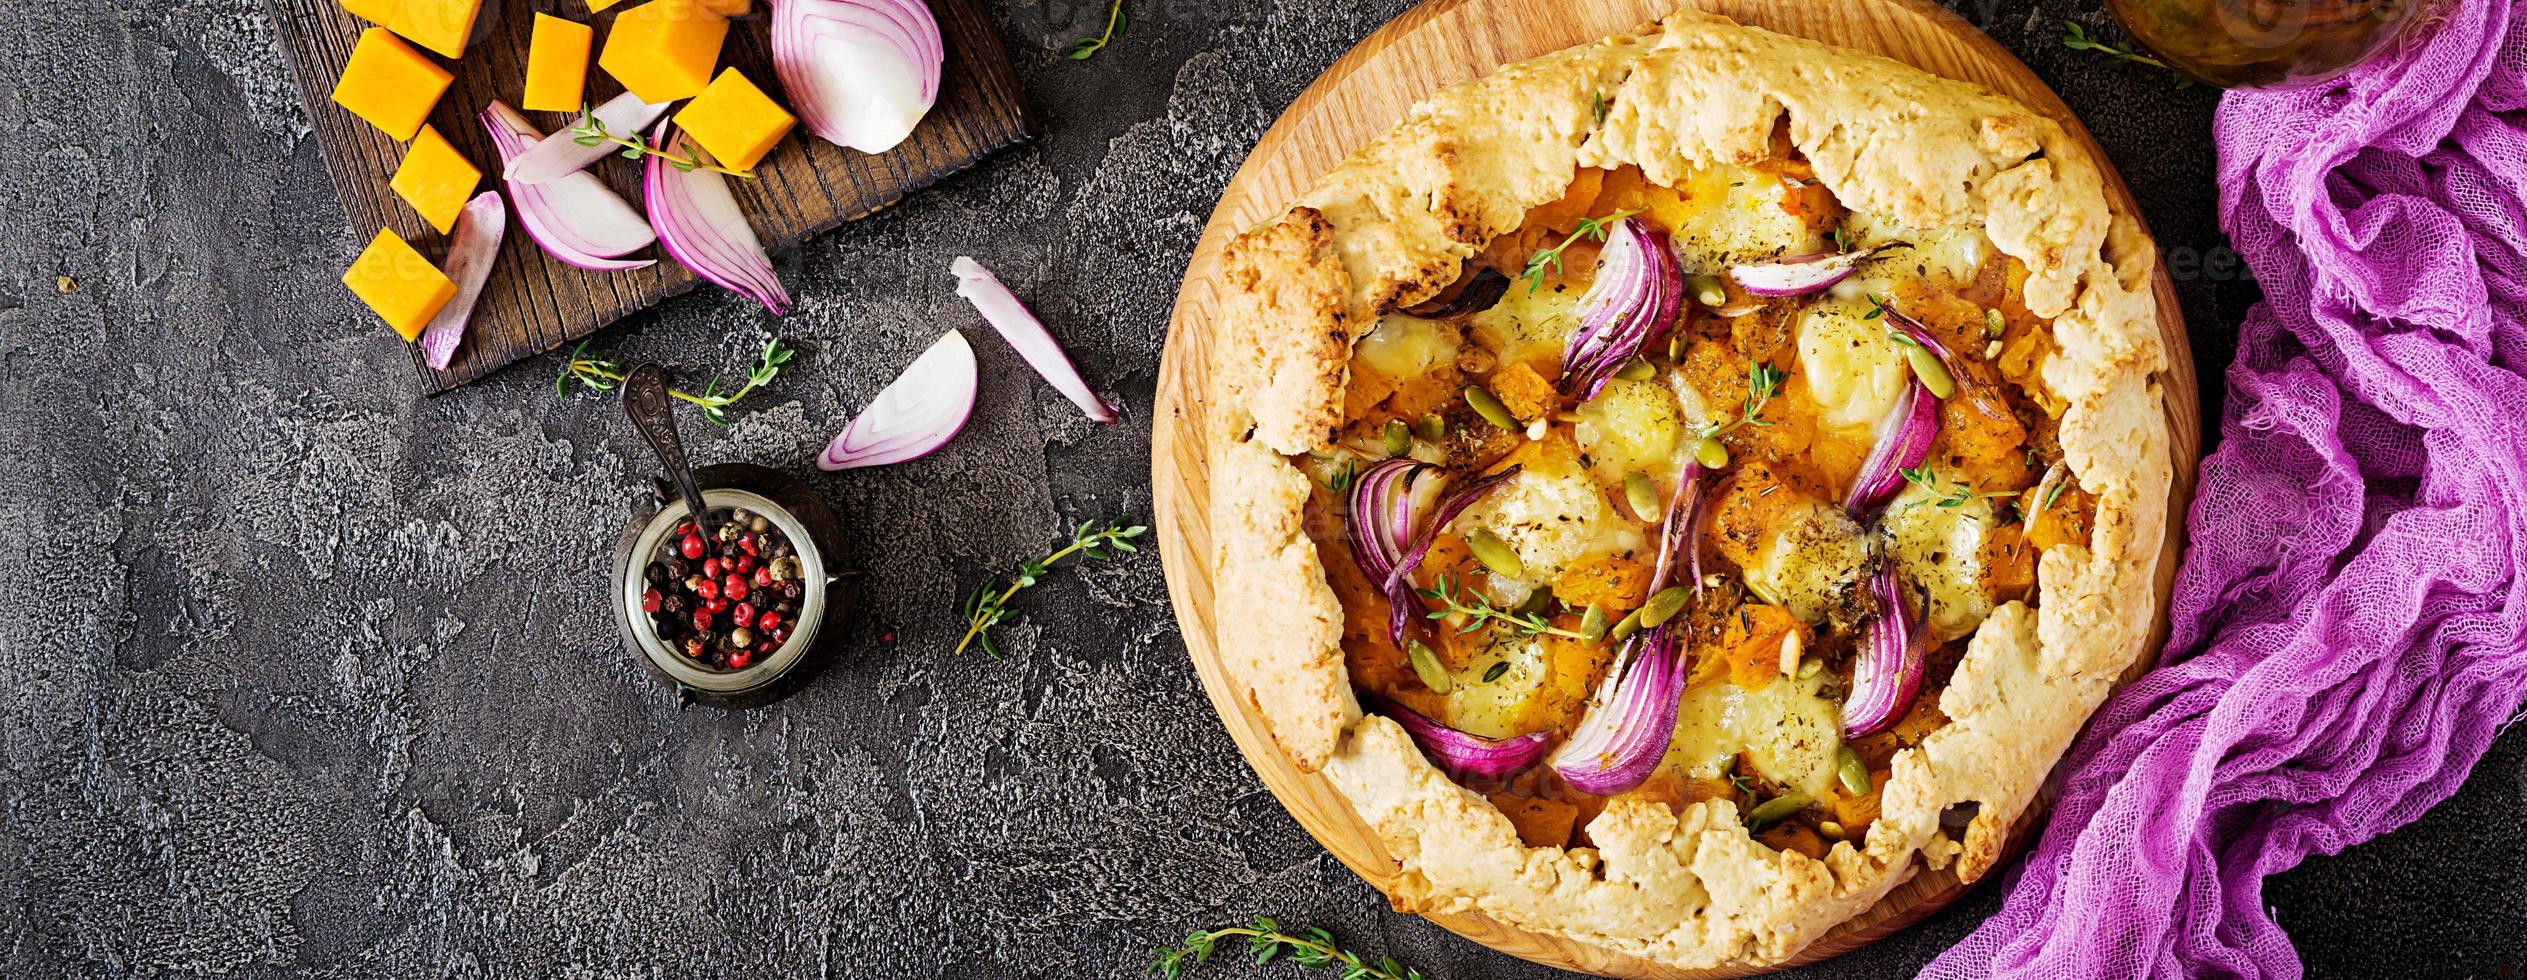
x,y
729,601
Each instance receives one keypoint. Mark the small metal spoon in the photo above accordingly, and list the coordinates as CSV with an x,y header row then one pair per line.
x,y
645,400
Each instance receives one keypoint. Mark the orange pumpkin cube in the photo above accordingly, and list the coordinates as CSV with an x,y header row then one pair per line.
x,y
735,121
598,6
435,179
557,65
374,11
440,25
389,84
394,280
729,8
664,50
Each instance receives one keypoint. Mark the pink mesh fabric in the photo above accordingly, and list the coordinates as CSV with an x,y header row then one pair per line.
x,y
2351,622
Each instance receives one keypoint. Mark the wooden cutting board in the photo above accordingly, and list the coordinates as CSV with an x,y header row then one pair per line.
x,y
1364,94
535,303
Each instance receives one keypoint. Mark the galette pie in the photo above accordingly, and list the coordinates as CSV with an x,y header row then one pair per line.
x,y
1676,487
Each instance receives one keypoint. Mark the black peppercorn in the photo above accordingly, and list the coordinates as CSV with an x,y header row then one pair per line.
x,y
657,572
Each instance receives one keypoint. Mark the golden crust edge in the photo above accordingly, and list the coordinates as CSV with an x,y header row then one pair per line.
x,y
2092,274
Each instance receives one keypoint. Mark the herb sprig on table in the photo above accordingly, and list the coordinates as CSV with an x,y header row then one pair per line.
x,y
604,373
2077,38
1266,941
1087,47
989,605
591,131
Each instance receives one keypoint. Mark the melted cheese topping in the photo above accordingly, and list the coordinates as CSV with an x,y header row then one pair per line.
x,y
1938,550
1854,371
1954,253
1406,347
1788,730
1554,515
1529,327
1492,709
1726,215
1634,426
1814,560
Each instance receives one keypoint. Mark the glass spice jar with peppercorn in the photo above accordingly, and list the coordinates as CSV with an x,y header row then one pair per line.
x,y
729,601
2271,43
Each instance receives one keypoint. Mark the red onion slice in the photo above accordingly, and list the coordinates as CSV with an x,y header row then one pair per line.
x,y
575,217
700,224
1382,516
1638,293
861,73
1022,330
1462,755
1677,528
1803,274
920,411
1448,509
1886,675
1903,442
1919,334
560,154
1630,720
473,245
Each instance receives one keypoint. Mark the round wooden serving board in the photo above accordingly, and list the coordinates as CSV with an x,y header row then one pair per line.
x,y
1367,92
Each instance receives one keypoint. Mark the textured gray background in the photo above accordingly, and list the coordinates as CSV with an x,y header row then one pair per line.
x,y
306,676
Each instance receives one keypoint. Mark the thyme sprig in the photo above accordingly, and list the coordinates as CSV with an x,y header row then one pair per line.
x,y
591,131
1266,941
1551,258
1763,381
1955,494
1087,47
2076,38
605,373
989,605
1478,612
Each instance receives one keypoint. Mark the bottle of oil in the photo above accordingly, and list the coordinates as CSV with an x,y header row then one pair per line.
x,y
2270,43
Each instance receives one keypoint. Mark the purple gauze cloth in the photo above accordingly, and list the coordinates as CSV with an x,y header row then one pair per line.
x,y
2351,623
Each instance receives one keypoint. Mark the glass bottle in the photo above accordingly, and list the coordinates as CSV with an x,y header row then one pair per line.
x,y
2269,43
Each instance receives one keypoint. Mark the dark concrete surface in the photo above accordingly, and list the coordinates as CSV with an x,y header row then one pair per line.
x,y
307,676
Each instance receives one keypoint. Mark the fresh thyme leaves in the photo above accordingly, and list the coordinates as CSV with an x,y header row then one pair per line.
x,y
1493,672
2077,38
1763,381
989,605
1087,47
2052,495
1551,259
604,373
1955,494
1599,111
1478,612
591,131
1340,479
1842,240
1266,941
1877,308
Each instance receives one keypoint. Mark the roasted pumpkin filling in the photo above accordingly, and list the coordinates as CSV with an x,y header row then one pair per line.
x,y
1691,492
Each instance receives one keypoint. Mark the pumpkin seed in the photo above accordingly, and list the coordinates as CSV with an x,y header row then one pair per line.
x,y
1636,369
1809,667
1707,289
1426,666
1593,622
1494,671
1399,437
1831,829
1992,323
1431,428
1623,630
1489,407
1640,495
1853,772
1665,605
1495,554
1676,347
1708,452
1933,374
1776,809
1537,602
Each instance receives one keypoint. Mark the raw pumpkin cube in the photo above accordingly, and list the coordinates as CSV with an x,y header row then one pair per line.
x,y
664,50
389,84
374,11
735,121
729,8
440,25
596,6
557,65
394,280
435,179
